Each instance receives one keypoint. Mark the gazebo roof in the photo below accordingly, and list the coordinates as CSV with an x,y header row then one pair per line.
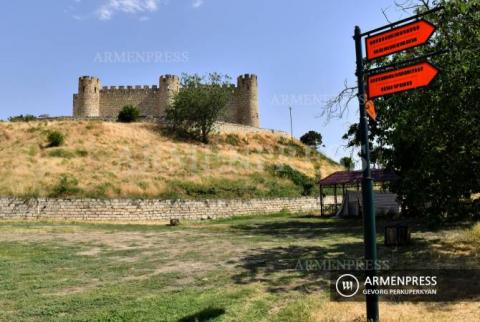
x,y
353,177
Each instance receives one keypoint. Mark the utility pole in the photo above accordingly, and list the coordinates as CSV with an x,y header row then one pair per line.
x,y
369,228
291,122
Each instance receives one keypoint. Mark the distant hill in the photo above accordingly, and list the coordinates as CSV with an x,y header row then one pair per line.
x,y
108,160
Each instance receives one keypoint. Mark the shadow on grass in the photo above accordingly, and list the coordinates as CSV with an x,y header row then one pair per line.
x,y
282,269
314,228
204,315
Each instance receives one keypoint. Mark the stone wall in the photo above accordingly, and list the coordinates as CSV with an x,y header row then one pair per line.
x,y
112,99
132,210
225,127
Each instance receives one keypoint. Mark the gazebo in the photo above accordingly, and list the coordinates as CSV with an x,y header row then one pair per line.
x,y
346,180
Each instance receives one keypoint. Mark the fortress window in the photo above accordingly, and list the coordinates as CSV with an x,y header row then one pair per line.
x,y
95,89
83,89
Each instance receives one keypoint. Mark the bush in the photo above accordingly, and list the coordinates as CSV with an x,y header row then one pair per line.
x,y
232,139
81,153
128,114
472,235
61,153
22,118
55,138
67,185
298,178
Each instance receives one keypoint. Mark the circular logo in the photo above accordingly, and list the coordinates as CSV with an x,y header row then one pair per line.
x,y
347,285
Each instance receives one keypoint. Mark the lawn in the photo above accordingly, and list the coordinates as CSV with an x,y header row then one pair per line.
x,y
239,269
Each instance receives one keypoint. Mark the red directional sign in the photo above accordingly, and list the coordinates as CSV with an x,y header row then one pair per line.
x,y
407,36
401,79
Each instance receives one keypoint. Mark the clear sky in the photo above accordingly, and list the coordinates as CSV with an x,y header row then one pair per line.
x,y
302,51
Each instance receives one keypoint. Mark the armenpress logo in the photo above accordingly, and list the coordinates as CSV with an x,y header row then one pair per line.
x,y
347,285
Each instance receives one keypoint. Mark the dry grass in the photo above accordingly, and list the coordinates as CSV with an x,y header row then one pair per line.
x,y
472,236
399,312
125,160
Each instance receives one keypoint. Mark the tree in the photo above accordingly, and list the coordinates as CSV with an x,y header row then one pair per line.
x,y
430,136
347,163
312,138
198,105
22,118
128,114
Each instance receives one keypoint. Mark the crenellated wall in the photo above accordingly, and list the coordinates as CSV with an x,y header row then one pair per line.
x,y
93,101
145,98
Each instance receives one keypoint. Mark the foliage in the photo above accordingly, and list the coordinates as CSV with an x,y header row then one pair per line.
x,y
55,138
297,177
232,139
128,114
430,135
22,118
198,105
61,153
67,185
347,163
312,138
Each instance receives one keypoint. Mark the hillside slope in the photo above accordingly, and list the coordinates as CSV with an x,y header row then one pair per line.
x,y
102,159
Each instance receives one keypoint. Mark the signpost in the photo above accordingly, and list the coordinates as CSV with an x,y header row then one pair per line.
x,y
407,36
380,43
401,79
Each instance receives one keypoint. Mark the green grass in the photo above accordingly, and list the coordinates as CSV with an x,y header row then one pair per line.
x,y
237,269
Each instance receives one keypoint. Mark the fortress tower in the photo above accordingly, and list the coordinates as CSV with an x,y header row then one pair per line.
x,y
246,100
169,87
87,101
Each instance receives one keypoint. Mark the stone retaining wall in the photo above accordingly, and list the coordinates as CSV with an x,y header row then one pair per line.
x,y
131,210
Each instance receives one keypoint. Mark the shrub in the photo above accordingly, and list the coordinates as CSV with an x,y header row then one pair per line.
x,y
297,148
472,235
81,153
232,139
61,153
67,185
55,138
297,177
22,118
128,114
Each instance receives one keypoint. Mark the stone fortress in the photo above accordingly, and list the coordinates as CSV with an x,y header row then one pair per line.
x,y
93,100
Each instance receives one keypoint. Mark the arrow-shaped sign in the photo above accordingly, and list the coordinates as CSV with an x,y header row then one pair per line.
x,y
407,36
401,79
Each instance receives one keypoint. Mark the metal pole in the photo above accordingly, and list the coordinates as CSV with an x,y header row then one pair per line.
x,y
369,233
291,122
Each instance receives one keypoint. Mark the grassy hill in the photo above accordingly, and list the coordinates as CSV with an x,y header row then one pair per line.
x,y
108,160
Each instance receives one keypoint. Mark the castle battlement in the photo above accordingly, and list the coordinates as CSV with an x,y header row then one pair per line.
x,y
93,100
126,89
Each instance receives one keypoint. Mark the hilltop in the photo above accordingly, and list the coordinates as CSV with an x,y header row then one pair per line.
x,y
116,160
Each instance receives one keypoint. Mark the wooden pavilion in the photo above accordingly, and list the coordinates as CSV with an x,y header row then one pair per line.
x,y
348,180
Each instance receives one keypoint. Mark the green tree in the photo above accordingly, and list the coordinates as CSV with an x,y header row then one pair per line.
x,y
312,138
198,105
128,114
430,135
22,118
347,163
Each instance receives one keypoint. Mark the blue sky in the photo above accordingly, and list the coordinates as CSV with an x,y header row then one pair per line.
x,y
302,51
